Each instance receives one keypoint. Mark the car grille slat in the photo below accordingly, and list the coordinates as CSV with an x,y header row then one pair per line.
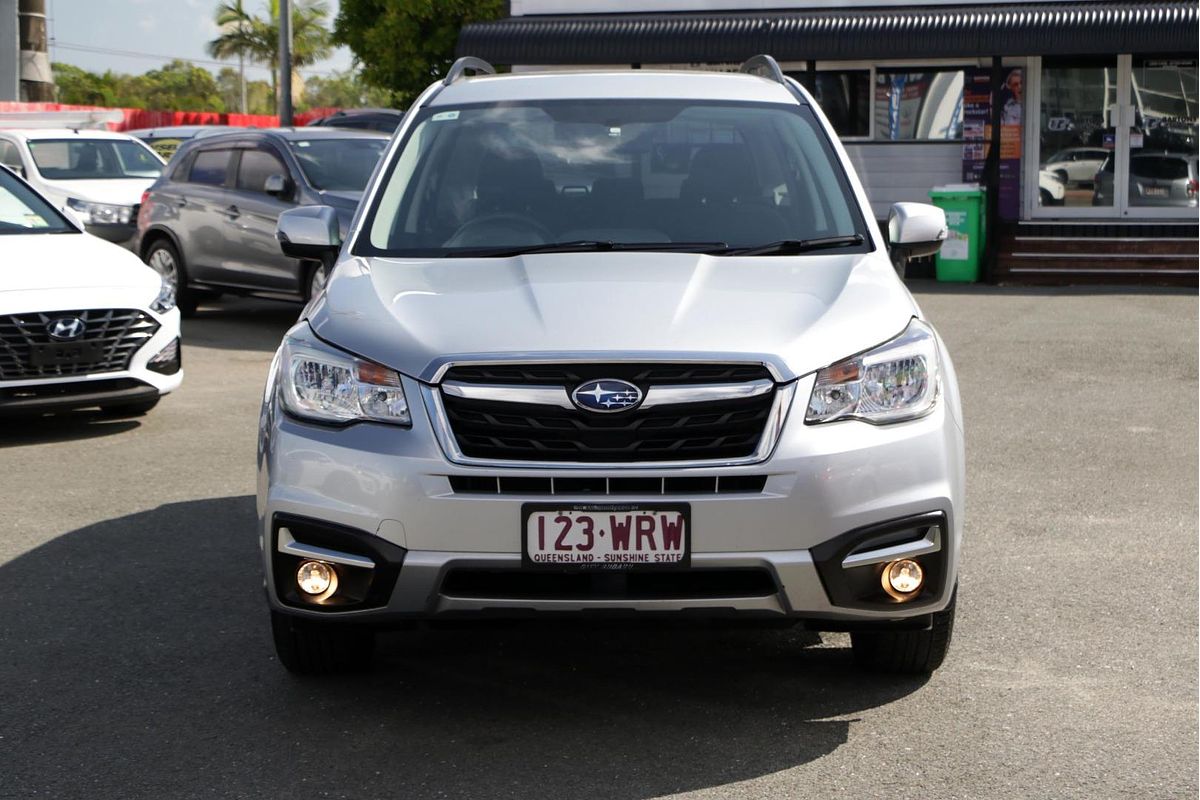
x,y
118,332
697,431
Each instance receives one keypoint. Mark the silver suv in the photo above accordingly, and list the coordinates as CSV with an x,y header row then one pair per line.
x,y
624,343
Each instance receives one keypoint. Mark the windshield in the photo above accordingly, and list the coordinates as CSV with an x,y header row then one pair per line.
x,y
93,159
520,175
23,211
338,165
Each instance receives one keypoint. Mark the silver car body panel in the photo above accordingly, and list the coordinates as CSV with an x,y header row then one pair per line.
x,y
794,315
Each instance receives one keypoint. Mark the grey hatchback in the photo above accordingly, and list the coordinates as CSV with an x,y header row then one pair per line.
x,y
208,223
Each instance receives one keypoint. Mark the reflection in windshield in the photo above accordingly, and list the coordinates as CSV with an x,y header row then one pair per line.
x,y
510,176
93,159
338,165
22,211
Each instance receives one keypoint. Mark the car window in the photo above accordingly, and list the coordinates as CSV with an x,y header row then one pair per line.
x,y
255,167
22,210
93,159
339,165
9,156
210,167
635,171
1163,168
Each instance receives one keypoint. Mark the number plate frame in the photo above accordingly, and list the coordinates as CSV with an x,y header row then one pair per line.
x,y
683,509
54,354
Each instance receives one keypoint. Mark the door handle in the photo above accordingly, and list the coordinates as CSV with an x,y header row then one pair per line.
x,y
181,202
232,212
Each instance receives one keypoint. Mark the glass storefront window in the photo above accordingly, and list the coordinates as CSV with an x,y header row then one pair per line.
x,y
1162,142
1077,139
918,105
845,97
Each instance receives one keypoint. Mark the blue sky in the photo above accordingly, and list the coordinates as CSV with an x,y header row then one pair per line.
x,y
156,30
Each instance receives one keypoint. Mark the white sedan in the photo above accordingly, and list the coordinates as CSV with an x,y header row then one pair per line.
x,y
83,323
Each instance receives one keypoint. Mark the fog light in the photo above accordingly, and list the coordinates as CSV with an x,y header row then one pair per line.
x,y
903,579
316,579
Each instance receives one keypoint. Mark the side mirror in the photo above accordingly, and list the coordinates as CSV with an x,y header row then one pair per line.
x,y
277,185
915,230
309,232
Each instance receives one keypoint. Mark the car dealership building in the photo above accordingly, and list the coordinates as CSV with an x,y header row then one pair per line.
x,y
1096,106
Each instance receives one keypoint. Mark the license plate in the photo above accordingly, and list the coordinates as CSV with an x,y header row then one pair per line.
x,y
1157,191
56,353
605,536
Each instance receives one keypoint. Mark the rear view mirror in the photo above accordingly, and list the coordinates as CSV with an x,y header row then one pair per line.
x,y
915,230
309,232
277,185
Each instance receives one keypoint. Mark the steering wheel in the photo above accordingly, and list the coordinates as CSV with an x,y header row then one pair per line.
x,y
500,228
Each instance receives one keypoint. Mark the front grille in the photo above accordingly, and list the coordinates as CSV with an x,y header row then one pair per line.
x,y
109,340
528,584
703,431
619,486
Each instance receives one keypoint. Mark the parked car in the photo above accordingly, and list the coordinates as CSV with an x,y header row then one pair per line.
x,y
83,323
98,175
384,120
1051,190
1076,166
166,140
553,373
1155,179
208,224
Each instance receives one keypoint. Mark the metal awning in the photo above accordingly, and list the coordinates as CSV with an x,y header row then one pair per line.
x,y
1015,29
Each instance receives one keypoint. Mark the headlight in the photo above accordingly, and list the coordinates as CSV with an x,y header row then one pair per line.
x,y
896,381
100,213
322,384
166,297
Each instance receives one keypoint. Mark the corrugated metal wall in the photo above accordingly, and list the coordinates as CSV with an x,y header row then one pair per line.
x,y
892,173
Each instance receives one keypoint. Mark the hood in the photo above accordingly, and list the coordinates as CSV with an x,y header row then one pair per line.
x,y
796,313
115,191
341,200
72,261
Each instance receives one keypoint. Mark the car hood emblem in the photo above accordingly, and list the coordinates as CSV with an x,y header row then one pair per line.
x,y
66,328
606,396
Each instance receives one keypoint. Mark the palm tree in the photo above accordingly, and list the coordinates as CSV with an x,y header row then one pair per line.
x,y
253,37
235,39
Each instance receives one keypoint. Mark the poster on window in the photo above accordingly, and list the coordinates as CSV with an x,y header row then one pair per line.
x,y
977,132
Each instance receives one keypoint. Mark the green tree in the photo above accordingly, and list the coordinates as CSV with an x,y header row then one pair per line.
x,y
258,93
79,87
178,86
342,90
236,39
257,38
404,46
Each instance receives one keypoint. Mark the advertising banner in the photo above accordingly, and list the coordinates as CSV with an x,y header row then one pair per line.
x,y
977,132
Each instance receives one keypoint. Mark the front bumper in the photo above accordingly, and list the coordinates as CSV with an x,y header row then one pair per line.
x,y
136,384
391,485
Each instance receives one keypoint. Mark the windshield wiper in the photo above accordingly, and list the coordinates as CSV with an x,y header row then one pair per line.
x,y
790,247
588,246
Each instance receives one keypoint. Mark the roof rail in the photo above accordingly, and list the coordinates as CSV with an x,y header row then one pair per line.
x,y
764,66
476,65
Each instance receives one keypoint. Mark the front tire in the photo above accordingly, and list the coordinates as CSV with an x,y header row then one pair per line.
x,y
308,647
906,652
164,259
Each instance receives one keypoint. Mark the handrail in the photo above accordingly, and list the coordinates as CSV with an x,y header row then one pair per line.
x,y
765,66
476,65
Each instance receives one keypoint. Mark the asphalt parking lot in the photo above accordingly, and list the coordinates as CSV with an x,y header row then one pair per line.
x,y
135,658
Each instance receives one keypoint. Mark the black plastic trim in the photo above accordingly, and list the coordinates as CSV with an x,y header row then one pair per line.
x,y
859,587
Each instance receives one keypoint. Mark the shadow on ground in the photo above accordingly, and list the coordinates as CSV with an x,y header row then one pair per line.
x,y
67,426
240,323
148,633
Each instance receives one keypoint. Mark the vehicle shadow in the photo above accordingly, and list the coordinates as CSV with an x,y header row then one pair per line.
x,y
136,662
240,323
70,426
